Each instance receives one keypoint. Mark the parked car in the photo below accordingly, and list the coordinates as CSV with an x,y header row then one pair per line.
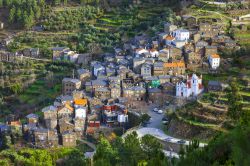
x,y
168,139
165,120
160,111
181,142
155,109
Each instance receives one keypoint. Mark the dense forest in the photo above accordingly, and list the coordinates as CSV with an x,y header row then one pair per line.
x,y
25,13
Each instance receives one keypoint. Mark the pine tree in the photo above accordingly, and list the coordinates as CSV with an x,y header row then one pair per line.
x,y
12,14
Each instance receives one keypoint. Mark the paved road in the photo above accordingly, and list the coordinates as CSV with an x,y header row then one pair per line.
x,y
156,118
158,133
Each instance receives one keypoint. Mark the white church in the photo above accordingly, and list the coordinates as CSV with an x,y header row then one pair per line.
x,y
192,87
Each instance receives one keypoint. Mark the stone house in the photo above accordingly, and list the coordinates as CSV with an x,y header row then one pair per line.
x,y
208,30
192,57
31,52
196,37
191,22
79,127
84,59
146,70
175,79
137,62
58,52
128,82
110,72
50,116
10,57
83,75
175,54
169,28
164,78
69,85
215,86
68,139
99,83
45,137
209,50
78,94
115,92
65,125
32,118
135,93
102,93
229,43
220,39
168,88
64,99
65,111
155,95
98,68
188,47
114,81
79,124
174,68
200,47
158,69
164,54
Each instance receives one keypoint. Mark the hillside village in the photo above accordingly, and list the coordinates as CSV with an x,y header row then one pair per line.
x,y
172,82
145,70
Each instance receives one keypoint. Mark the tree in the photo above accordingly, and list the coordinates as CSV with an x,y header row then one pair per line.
x,y
133,152
6,141
105,152
2,68
19,15
234,102
1,3
194,144
145,118
151,146
12,14
16,88
75,158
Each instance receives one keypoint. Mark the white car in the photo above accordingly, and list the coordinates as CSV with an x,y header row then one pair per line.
x,y
160,111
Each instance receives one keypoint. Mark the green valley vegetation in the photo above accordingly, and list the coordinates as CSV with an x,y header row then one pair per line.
x,y
85,27
41,157
230,148
131,151
30,85
24,12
